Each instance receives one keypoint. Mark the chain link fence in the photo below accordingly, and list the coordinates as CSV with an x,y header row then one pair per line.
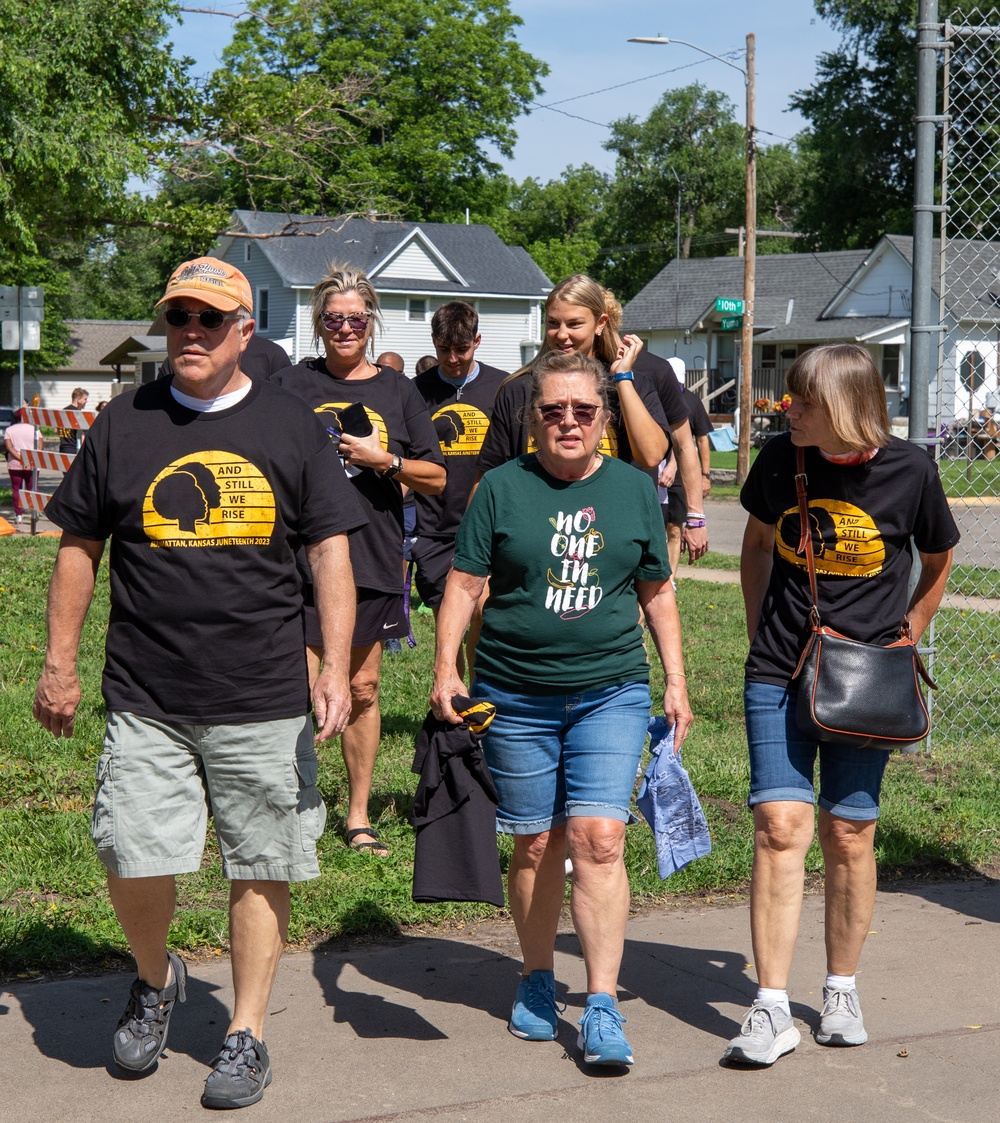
x,y
965,398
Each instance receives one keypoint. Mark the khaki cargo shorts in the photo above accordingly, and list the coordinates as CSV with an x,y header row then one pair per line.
x,y
156,782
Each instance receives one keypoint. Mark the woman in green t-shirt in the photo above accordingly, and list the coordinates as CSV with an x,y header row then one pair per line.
x,y
572,542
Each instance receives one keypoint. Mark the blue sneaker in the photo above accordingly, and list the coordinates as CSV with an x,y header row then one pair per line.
x,y
601,1037
535,1006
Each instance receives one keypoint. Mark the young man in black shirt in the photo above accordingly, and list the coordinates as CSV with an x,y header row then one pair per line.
x,y
459,392
69,439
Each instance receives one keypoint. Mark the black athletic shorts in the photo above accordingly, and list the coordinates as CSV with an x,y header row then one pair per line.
x,y
380,616
433,557
676,509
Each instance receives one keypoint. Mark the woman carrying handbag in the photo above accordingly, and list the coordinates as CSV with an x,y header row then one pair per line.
x,y
872,499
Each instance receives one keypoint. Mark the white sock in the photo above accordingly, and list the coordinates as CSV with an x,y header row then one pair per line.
x,y
770,997
841,982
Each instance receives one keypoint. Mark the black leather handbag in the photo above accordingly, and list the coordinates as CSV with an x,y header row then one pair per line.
x,y
853,693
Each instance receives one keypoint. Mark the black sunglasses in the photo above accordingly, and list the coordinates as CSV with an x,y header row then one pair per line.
x,y
356,321
210,318
582,414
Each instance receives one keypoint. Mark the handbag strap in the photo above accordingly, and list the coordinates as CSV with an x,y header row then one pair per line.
x,y
805,536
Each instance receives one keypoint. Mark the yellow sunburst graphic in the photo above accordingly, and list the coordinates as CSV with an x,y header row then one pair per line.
x,y
846,542
209,498
461,429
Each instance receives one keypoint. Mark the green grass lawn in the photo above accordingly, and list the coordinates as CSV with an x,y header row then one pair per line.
x,y
939,808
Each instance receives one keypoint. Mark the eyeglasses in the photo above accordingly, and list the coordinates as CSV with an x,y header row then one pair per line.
x,y
582,414
210,318
356,321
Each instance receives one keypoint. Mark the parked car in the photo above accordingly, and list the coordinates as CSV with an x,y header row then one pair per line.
x,y
6,418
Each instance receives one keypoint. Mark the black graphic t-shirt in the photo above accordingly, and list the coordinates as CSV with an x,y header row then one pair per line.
x,y
204,512
862,518
404,426
508,435
461,418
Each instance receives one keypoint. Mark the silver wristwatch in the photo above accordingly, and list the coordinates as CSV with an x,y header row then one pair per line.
x,y
395,467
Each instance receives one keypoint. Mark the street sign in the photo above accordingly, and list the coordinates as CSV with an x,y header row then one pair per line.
x,y
728,305
727,323
32,312
32,335
11,335
32,296
8,303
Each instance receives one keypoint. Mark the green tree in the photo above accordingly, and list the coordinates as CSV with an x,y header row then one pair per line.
x,y
89,92
424,85
556,221
859,149
689,147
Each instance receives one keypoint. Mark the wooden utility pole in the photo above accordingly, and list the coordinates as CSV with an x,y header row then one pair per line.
x,y
749,275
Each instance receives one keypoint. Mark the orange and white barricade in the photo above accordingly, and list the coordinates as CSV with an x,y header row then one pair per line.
x,y
35,459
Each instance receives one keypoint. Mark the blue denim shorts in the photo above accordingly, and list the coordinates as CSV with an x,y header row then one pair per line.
x,y
556,755
782,760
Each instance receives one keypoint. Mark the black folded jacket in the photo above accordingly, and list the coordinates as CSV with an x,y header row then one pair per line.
x,y
454,813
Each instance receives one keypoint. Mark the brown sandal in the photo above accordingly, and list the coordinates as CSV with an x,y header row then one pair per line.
x,y
377,844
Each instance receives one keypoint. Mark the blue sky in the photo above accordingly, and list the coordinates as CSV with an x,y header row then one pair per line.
x,y
585,44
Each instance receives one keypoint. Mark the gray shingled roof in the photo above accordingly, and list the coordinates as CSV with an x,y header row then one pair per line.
x,y
483,261
677,297
92,339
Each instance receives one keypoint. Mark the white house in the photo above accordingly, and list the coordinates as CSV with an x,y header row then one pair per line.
x,y
415,268
804,299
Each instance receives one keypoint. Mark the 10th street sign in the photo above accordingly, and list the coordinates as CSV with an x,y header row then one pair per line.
x,y
729,306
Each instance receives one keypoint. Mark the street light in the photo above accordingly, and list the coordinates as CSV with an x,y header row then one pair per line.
x,y
750,258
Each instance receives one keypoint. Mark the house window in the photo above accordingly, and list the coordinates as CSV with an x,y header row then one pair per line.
x,y
263,309
246,251
416,309
768,356
892,354
973,370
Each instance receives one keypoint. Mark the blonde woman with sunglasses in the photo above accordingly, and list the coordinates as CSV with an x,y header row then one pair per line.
x,y
385,438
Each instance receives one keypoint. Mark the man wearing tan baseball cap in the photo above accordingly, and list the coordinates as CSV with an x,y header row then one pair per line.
x,y
216,282
205,481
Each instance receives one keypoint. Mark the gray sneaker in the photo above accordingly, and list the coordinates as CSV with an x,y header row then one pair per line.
x,y
767,1033
840,1023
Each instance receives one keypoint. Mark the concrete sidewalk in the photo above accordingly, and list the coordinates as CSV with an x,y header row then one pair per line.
x,y
415,1028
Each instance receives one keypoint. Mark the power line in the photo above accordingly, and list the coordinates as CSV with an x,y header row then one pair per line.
x,y
622,85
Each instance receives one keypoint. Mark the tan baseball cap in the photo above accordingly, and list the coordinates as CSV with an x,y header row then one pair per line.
x,y
216,282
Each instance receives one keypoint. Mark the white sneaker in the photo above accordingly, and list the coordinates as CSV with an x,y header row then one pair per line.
x,y
841,1023
767,1033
